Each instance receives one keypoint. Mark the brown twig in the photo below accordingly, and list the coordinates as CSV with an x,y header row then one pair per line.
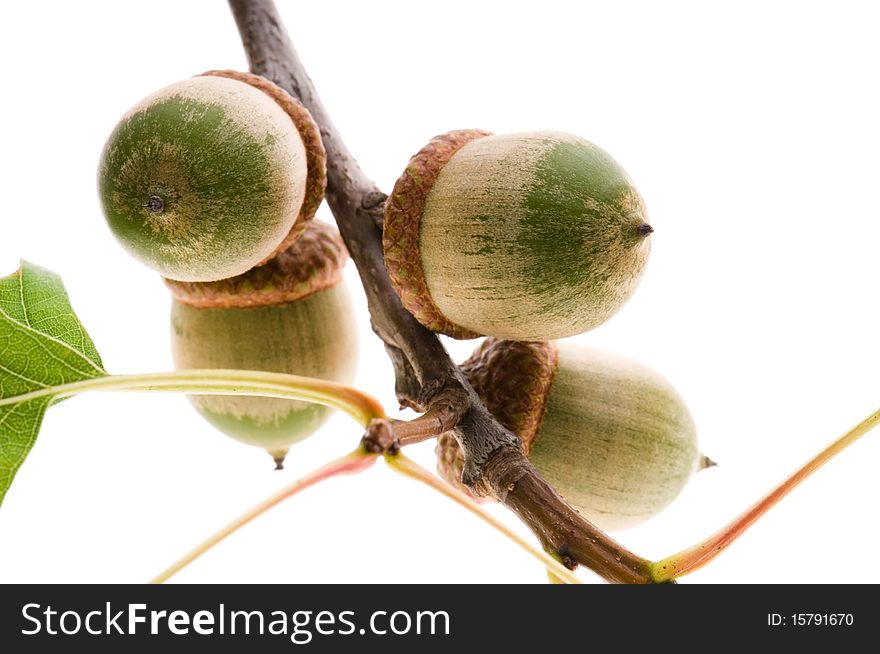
x,y
427,379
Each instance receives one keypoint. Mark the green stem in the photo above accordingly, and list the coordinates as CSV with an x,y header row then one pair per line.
x,y
409,468
358,405
552,578
357,461
700,554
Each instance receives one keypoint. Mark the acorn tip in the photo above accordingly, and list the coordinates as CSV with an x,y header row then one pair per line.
x,y
278,457
645,229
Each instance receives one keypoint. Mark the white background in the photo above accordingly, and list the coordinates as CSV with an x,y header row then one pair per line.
x,y
750,129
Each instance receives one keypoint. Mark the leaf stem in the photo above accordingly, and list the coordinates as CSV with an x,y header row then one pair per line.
x,y
409,468
352,463
703,552
360,406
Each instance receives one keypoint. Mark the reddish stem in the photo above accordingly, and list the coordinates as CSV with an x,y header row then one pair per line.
x,y
702,553
357,461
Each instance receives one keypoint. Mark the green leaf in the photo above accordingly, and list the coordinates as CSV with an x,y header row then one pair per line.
x,y
42,344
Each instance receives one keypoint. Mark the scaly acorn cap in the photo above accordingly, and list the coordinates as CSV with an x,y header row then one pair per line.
x,y
513,380
312,263
530,236
401,234
610,434
212,175
291,315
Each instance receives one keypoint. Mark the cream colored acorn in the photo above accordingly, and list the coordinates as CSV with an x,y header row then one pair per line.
x,y
291,315
611,435
529,236
211,176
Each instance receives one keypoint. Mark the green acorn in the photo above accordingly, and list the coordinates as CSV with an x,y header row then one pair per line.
x,y
531,236
611,435
291,315
211,176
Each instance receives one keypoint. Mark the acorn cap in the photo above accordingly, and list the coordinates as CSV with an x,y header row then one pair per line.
x,y
310,133
513,379
312,263
401,231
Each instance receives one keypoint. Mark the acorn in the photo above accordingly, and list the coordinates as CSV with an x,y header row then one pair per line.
x,y
292,315
211,176
531,236
611,435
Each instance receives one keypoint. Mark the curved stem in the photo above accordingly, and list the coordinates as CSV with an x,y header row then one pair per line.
x,y
410,468
358,405
357,461
702,553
